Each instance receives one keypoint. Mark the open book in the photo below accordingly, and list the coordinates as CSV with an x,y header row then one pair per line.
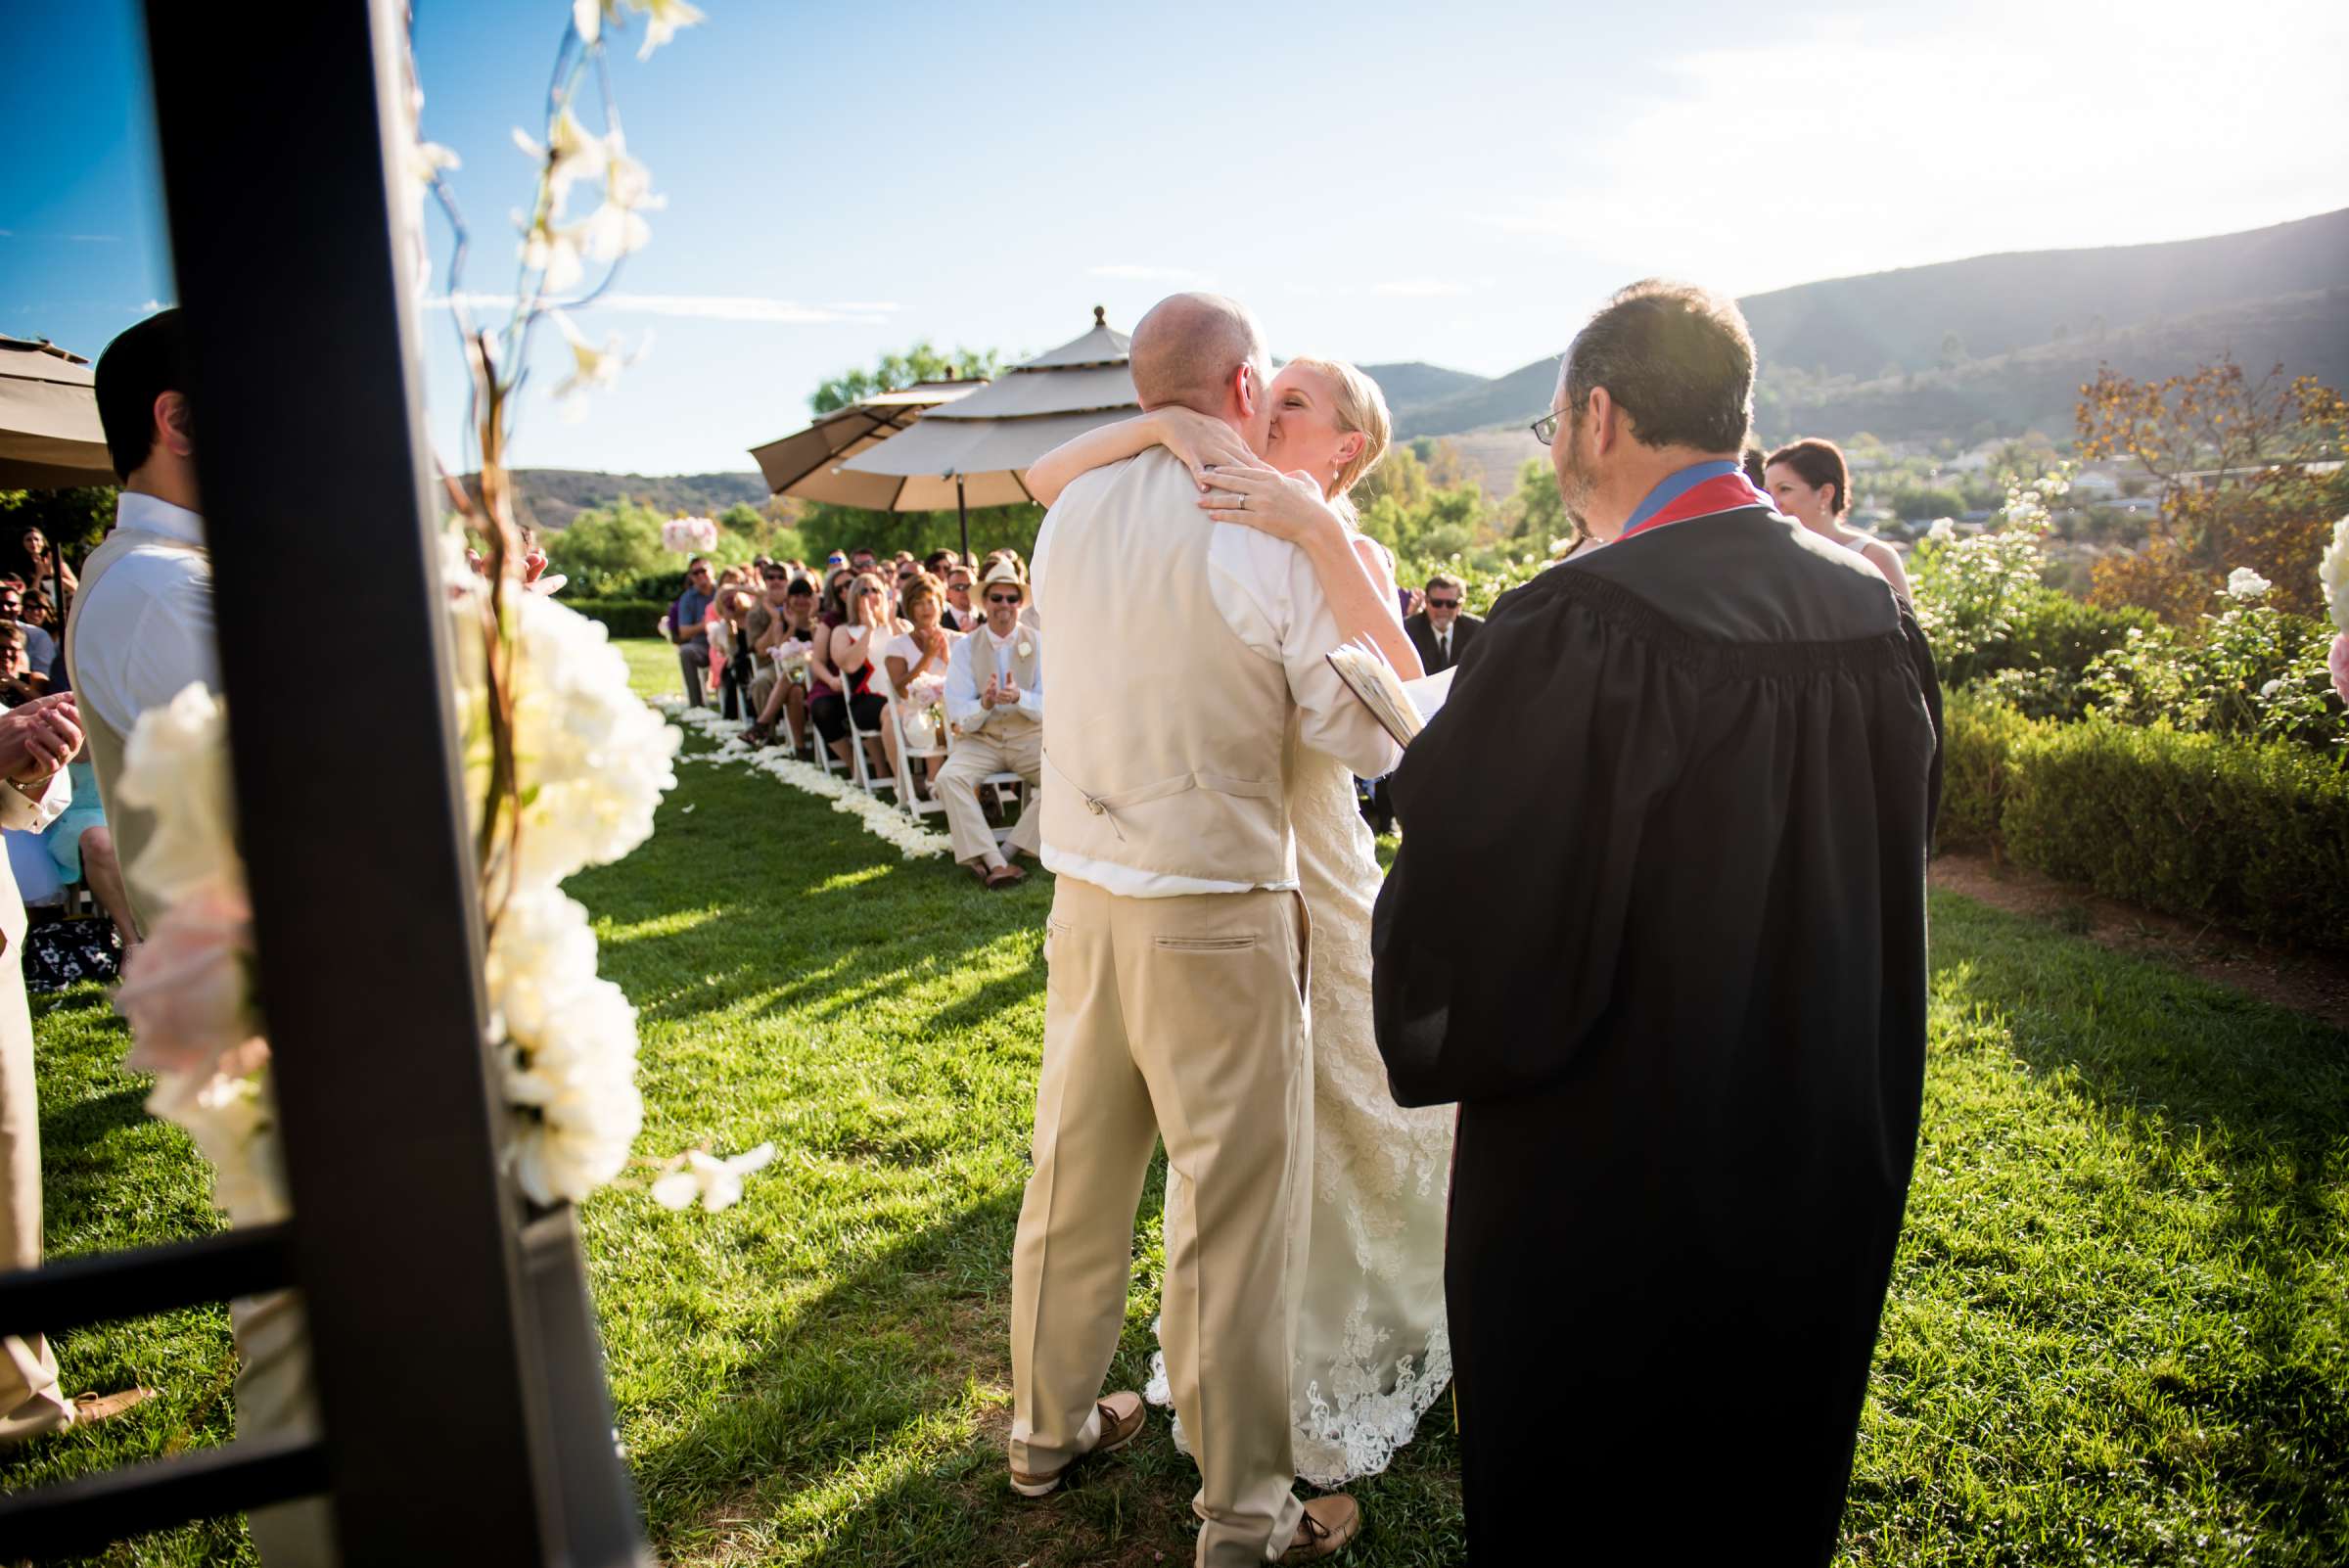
x,y
1402,706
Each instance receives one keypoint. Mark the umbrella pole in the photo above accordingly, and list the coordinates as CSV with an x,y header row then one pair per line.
x,y
962,512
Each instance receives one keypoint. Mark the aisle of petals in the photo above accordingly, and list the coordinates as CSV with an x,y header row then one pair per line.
x,y
880,818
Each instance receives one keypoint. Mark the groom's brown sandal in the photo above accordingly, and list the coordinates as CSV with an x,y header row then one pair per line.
x,y
1121,1423
1328,1524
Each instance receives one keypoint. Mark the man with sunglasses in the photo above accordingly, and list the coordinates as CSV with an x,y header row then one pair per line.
x,y
995,703
1443,631
960,614
687,630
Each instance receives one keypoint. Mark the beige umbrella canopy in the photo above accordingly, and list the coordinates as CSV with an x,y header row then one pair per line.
x,y
975,451
50,437
808,463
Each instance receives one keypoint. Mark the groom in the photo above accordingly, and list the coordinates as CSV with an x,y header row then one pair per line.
x,y
1181,650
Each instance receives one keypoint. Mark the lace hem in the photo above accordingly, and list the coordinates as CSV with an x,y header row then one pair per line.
x,y
1358,1436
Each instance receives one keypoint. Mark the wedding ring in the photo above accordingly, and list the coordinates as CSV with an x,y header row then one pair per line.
x,y
1243,501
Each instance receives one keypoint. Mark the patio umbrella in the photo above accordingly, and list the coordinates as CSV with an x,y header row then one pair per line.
x,y
49,431
808,463
977,449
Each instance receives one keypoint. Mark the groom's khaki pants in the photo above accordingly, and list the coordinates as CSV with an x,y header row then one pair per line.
x,y
1182,1017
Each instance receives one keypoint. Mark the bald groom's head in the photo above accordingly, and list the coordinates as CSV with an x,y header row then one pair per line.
x,y
1203,352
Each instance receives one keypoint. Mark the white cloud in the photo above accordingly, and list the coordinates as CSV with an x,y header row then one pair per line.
x,y
151,308
1181,277
1941,135
703,308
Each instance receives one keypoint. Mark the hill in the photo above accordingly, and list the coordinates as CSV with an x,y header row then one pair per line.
x,y
1997,344
553,496
1411,384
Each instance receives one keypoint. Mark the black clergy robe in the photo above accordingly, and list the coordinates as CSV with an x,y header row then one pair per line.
x,y
1658,926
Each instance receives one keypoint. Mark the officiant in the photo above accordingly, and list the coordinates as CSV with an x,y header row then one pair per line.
x,y
1686,783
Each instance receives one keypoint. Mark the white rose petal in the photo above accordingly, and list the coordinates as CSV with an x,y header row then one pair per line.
x,y
2245,584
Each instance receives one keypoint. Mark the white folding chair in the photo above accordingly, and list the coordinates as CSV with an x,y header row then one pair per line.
x,y
860,768
909,796
999,783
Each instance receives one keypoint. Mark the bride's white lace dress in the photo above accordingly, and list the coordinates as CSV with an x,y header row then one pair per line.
x,y
1371,1350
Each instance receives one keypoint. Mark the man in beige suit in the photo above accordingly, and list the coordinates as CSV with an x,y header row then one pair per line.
x,y
36,741
995,702
1181,651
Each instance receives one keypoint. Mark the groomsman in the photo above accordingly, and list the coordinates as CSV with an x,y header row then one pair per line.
x,y
1443,631
141,630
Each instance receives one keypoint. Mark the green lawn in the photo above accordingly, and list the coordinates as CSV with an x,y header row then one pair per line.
x,y
2119,1332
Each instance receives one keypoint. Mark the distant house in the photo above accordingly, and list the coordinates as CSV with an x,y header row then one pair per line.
x,y
2095,484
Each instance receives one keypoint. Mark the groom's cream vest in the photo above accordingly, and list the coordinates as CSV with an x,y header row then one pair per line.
x,y
1163,730
130,827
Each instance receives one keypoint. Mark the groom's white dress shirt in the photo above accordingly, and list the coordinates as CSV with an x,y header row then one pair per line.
x,y
1266,592
147,629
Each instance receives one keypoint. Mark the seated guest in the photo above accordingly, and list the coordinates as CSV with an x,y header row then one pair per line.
x,y
1809,482
916,661
40,648
688,628
995,702
18,683
83,847
1754,463
995,558
937,561
959,612
860,559
1442,632
731,649
793,629
853,655
834,611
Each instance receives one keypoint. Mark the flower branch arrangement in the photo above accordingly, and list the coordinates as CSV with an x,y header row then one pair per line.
x,y
562,765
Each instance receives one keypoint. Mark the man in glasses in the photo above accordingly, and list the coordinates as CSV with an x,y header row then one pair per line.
x,y
961,614
995,703
1443,631
686,629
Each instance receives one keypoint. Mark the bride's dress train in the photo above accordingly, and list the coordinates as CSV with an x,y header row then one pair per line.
x,y
1371,1350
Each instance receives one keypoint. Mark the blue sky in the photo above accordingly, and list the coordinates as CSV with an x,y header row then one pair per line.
x,y
1457,184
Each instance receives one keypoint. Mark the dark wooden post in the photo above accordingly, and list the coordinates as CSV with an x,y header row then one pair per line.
x,y
459,1374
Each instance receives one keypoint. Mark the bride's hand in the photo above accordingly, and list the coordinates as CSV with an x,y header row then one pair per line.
x,y
1287,506
1203,444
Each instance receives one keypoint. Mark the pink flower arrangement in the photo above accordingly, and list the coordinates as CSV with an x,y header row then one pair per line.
x,y
2338,663
187,990
684,533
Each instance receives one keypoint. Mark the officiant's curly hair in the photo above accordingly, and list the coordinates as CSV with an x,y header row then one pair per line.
x,y
1675,357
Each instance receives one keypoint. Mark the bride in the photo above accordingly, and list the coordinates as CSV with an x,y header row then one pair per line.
x,y
1371,1351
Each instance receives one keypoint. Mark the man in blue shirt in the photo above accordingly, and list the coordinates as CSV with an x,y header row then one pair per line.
x,y
686,631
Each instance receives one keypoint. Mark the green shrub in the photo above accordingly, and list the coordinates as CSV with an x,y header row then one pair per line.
x,y
2051,640
2252,835
622,618
1979,739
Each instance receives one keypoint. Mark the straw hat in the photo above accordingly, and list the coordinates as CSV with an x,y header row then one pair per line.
x,y
1003,572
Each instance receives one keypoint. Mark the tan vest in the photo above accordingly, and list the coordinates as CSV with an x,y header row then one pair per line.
x,y
1163,731
977,649
131,828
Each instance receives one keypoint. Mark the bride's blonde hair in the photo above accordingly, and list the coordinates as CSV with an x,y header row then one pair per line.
x,y
1360,406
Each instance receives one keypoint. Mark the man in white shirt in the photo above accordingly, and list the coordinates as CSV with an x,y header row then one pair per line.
x,y
141,629
995,703
1182,653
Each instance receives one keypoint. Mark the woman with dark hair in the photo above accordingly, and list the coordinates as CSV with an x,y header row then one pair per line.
x,y
1811,484
849,655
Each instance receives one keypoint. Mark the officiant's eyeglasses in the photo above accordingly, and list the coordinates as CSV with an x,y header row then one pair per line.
x,y
1546,429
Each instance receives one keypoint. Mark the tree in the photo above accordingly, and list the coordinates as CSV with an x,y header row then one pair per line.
x,y
1401,477
1535,510
1953,348
2228,456
607,548
74,520
897,371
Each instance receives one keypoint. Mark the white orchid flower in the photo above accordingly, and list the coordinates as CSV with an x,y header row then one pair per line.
x,y
571,153
618,227
662,20
592,368
716,1183
554,252
2245,584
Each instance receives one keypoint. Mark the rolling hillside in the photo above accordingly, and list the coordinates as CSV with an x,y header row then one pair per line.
x,y
1877,352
